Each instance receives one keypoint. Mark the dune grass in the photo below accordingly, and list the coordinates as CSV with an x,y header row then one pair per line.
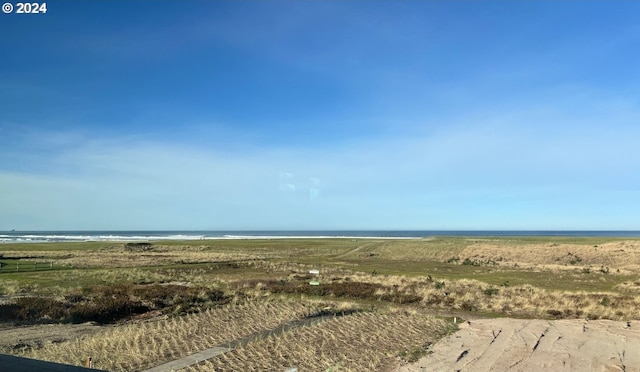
x,y
142,345
360,342
543,277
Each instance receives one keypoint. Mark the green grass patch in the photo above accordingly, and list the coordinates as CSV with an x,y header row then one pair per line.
x,y
21,266
229,264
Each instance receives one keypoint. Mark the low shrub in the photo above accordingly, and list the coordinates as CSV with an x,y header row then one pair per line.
x,y
453,259
555,313
138,246
469,262
106,310
490,291
108,304
33,309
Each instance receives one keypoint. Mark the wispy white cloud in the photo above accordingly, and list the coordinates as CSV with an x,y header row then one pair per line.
x,y
480,173
299,115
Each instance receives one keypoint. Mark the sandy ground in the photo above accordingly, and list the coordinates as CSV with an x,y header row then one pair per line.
x,y
15,338
536,345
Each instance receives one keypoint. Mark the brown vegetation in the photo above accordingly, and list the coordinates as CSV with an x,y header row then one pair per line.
x,y
361,342
459,295
108,304
142,345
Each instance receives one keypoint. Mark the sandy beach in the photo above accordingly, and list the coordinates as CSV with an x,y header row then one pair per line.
x,y
535,345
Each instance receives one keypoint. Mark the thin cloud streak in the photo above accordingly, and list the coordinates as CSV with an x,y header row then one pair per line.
x,y
450,178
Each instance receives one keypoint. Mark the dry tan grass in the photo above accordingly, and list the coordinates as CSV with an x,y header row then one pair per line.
x,y
118,256
533,302
361,342
10,287
138,346
615,255
479,297
75,279
414,249
630,287
133,259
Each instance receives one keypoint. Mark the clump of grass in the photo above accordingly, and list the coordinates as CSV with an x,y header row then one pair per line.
x,y
632,287
574,259
138,246
10,287
490,291
469,262
414,354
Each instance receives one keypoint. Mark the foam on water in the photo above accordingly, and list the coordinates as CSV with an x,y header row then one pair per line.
x,y
44,238
133,236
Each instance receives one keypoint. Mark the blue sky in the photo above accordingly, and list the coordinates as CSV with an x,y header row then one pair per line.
x,y
321,115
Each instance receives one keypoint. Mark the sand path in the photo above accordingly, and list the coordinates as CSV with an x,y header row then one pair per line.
x,y
536,345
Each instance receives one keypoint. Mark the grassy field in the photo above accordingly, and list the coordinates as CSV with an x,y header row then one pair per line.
x,y
141,290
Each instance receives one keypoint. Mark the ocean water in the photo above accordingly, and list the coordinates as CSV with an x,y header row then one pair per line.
x,y
79,236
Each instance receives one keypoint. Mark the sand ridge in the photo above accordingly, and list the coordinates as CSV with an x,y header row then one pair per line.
x,y
614,255
535,345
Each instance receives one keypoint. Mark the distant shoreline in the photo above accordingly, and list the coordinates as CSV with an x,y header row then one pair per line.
x,y
117,236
